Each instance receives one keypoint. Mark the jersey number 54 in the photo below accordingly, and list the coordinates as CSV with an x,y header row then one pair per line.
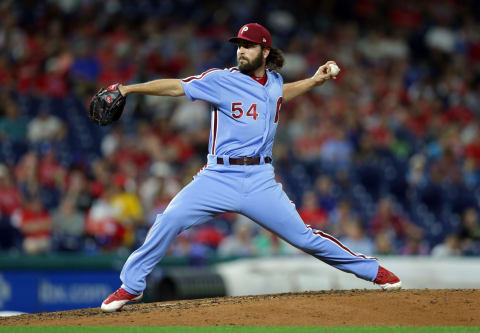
x,y
237,111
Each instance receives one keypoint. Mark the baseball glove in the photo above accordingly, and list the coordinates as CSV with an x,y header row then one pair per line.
x,y
107,105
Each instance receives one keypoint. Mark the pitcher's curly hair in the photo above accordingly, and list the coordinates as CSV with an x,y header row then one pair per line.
x,y
275,59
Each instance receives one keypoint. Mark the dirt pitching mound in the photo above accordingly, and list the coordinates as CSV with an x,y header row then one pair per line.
x,y
327,308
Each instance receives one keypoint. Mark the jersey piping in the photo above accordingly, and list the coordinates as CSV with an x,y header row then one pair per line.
x,y
201,76
214,128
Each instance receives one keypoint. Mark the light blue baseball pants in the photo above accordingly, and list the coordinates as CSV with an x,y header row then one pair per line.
x,y
248,190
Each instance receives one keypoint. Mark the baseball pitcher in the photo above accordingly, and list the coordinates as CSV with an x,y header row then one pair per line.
x,y
239,177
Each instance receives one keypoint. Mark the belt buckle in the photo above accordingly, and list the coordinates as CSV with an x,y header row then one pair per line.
x,y
245,159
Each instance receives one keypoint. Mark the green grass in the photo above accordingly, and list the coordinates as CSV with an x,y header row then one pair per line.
x,y
242,329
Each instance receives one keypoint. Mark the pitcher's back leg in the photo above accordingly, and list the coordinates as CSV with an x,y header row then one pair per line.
x,y
206,196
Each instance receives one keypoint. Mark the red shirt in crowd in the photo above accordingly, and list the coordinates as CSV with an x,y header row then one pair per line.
x,y
26,218
316,217
392,222
10,200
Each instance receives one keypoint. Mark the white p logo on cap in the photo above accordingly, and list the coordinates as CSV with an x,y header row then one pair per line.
x,y
264,40
244,29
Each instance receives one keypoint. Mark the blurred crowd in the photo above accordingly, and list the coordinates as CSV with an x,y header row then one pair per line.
x,y
386,158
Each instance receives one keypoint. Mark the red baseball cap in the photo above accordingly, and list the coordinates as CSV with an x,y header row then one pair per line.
x,y
255,33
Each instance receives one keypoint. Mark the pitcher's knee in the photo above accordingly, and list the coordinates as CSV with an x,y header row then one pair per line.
x,y
173,219
304,243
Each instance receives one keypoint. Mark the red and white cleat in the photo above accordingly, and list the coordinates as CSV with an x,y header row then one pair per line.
x,y
387,280
118,299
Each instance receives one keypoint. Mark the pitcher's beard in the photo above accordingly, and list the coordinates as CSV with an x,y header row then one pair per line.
x,y
250,67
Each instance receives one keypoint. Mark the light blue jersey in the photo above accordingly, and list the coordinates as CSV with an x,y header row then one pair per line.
x,y
245,116
244,112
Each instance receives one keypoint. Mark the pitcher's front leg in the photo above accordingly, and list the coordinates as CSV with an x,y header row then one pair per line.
x,y
272,209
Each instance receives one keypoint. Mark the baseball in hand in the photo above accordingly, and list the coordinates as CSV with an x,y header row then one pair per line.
x,y
334,69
